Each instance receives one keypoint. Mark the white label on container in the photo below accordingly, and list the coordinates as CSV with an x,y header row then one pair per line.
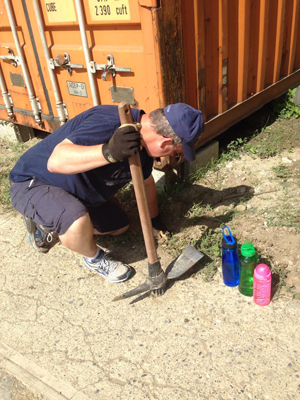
x,y
77,89
109,10
60,11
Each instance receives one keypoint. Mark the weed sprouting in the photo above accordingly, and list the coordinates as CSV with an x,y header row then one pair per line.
x,y
287,216
172,190
264,149
285,106
209,244
234,149
197,210
282,171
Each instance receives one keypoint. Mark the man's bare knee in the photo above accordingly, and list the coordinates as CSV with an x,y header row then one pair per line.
x,y
82,223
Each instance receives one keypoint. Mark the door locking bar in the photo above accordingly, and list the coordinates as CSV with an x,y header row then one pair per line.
x,y
15,60
110,67
63,61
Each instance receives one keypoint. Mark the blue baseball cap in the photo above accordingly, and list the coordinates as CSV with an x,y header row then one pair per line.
x,y
188,124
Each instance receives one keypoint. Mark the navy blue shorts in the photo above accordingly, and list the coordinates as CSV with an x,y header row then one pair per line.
x,y
56,209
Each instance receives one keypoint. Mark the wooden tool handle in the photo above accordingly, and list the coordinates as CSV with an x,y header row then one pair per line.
x,y
139,189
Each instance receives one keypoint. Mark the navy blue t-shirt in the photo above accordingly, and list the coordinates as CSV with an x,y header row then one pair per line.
x,y
94,187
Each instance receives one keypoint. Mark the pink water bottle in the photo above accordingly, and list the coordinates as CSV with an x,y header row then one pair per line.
x,y
262,279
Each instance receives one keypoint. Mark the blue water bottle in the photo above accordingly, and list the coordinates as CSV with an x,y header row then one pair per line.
x,y
230,259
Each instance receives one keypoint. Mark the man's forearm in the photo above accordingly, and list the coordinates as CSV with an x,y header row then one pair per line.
x,y
69,158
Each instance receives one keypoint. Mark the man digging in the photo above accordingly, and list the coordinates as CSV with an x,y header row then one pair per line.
x,y
67,182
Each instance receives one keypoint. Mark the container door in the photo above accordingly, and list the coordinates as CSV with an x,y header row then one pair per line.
x,y
23,91
76,54
101,52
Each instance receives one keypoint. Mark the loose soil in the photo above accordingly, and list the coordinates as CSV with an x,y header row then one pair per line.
x,y
257,195
254,189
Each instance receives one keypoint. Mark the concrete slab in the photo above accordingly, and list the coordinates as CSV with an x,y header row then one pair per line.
x,y
23,370
14,132
12,389
199,341
163,178
204,155
297,96
160,179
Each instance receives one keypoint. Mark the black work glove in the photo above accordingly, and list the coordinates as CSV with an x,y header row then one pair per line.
x,y
125,142
160,231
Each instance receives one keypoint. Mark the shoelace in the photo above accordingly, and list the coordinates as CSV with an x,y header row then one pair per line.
x,y
43,234
107,264
49,237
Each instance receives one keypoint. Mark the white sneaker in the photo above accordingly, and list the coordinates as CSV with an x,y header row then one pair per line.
x,y
109,269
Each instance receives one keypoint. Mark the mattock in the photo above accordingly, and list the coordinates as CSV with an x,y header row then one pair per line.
x,y
157,277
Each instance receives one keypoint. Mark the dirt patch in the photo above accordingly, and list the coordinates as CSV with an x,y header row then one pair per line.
x,y
253,188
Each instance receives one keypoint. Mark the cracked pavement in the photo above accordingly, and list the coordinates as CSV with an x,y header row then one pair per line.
x,y
198,341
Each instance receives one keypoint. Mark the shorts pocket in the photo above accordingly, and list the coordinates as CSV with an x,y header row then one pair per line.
x,y
45,209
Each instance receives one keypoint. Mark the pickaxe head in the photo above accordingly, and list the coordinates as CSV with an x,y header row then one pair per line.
x,y
157,278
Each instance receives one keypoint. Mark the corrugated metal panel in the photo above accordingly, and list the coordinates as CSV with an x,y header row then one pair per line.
x,y
225,57
235,52
94,52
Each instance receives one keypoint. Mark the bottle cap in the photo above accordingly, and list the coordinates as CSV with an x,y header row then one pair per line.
x,y
228,241
247,250
227,245
262,271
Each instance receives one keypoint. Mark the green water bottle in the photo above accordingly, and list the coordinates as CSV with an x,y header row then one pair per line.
x,y
248,261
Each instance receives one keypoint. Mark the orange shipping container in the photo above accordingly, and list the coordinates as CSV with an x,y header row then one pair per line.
x,y
225,57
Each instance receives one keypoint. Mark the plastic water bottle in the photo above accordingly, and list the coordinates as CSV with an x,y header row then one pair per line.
x,y
230,259
248,261
262,280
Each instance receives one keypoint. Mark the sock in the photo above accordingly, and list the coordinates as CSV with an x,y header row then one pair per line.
x,y
94,258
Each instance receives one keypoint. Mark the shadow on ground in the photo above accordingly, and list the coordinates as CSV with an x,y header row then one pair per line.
x,y
130,246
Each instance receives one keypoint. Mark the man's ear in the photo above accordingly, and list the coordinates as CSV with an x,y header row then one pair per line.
x,y
165,141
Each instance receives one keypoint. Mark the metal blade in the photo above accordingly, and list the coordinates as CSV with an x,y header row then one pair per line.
x,y
144,287
187,259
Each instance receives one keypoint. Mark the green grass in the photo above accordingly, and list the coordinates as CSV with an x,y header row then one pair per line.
x,y
282,171
286,215
13,151
198,210
213,165
264,142
233,151
172,191
264,147
210,245
285,107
